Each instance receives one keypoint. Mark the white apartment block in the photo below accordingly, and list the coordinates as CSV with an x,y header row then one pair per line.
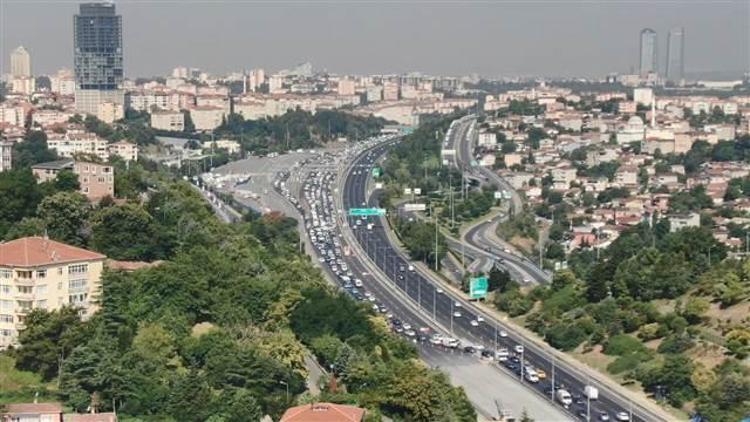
x,y
128,151
47,118
487,139
38,273
13,114
109,112
6,156
168,120
72,143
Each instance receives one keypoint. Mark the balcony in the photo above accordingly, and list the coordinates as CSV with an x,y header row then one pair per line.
x,y
23,281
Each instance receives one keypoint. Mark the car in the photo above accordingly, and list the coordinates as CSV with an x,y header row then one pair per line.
x,y
474,323
518,348
410,333
622,416
503,333
480,318
457,314
541,374
407,326
604,416
469,349
439,291
399,329
486,354
458,304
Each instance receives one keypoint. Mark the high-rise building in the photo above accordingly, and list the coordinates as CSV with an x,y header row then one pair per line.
x,y
648,57
676,55
20,63
6,155
98,56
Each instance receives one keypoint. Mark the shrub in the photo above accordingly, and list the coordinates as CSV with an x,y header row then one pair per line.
x,y
623,344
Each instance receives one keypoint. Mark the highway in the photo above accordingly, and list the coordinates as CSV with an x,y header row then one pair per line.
x,y
424,293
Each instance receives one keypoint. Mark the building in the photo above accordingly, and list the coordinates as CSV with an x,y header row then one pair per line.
x,y
20,63
98,54
96,180
643,96
676,55
168,120
39,273
6,156
648,58
346,87
206,118
128,151
74,143
323,412
681,221
31,412
25,85
232,147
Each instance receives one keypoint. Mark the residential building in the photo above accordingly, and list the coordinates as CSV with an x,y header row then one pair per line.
x,y
63,83
232,147
648,57
25,85
346,87
31,412
681,221
40,273
78,142
390,91
128,151
98,55
676,55
96,180
6,156
109,111
643,96
168,120
46,118
323,412
20,63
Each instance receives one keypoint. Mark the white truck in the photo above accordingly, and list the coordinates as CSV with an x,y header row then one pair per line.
x,y
564,398
591,392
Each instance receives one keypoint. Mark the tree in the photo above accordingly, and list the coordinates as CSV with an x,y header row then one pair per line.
x,y
19,196
125,232
241,405
65,215
500,280
190,399
33,150
67,180
48,339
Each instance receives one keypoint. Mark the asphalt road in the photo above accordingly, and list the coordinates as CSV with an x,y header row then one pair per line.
x,y
424,295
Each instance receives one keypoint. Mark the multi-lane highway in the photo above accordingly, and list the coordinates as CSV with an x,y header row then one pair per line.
x,y
465,321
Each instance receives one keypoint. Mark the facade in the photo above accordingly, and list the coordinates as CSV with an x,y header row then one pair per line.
x,y
73,143
128,151
32,412
207,118
648,57
6,156
346,87
20,63
676,55
168,120
109,111
98,56
96,180
39,273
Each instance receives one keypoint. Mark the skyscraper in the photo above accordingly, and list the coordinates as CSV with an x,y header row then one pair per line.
x,y
676,55
648,58
20,63
98,56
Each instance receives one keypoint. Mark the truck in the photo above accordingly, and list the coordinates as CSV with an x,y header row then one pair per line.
x,y
591,392
564,398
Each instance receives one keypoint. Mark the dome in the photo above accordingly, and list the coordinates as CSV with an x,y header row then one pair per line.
x,y
635,121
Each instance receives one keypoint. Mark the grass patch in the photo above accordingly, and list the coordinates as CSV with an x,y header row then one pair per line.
x,y
21,386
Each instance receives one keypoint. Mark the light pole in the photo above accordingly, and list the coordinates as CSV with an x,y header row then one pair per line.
x,y
285,384
434,303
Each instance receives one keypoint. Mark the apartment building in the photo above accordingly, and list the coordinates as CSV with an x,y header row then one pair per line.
x,y
6,156
96,180
168,120
207,118
39,273
128,151
78,142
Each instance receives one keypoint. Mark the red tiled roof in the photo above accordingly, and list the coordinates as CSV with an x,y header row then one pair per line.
x,y
37,251
90,417
323,412
16,408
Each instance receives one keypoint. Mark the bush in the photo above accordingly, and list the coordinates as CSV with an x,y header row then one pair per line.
x,y
675,344
623,344
627,362
565,336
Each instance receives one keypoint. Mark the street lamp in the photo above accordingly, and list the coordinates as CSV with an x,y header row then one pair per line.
x,y
285,384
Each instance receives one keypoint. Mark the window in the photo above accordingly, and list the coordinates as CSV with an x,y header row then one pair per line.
x,y
41,304
41,274
79,299
6,333
6,304
78,269
26,290
41,290
60,270
6,273
5,289
23,274
6,318
77,284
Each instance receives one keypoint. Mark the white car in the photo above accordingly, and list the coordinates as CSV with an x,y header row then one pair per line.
x,y
440,291
480,318
407,326
458,304
503,333
622,416
474,323
518,348
457,314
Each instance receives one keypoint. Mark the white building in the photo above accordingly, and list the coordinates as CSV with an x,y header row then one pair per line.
x,y
487,139
63,83
25,85
232,147
633,131
346,87
206,118
643,96
128,151
45,118
13,114
168,120
20,63
72,143
6,156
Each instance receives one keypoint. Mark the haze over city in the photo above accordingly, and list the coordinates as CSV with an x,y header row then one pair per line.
x,y
568,38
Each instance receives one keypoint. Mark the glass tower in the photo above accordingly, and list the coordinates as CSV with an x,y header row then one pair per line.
x,y
648,63
98,47
676,55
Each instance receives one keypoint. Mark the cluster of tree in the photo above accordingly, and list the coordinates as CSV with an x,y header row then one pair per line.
x,y
702,152
522,225
609,302
134,127
420,240
297,129
476,204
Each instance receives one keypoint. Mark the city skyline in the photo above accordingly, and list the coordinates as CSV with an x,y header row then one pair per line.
x,y
417,37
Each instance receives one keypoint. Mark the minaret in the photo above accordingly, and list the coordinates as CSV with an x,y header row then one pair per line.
x,y
653,111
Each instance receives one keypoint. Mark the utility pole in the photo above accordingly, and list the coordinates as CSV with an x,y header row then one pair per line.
x,y
541,248
436,242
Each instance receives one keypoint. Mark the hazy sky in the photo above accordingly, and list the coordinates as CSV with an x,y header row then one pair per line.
x,y
492,38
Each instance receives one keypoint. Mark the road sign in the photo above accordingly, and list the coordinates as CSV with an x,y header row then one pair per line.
x,y
407,191
478,287
366,212
377,172
417,191
498,195
378,185
445,152
414,207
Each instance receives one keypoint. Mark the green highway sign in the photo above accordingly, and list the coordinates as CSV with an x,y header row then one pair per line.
x,y
366,212
478,287
377,172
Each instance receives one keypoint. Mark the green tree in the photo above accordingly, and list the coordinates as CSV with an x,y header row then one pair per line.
x,y
67,180
65,215
125,232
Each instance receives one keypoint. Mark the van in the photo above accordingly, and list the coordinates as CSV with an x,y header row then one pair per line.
x,y
564,398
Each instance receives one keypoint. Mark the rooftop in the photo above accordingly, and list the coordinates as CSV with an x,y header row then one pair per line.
x,y
54,165
29,408
37,251
323,412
